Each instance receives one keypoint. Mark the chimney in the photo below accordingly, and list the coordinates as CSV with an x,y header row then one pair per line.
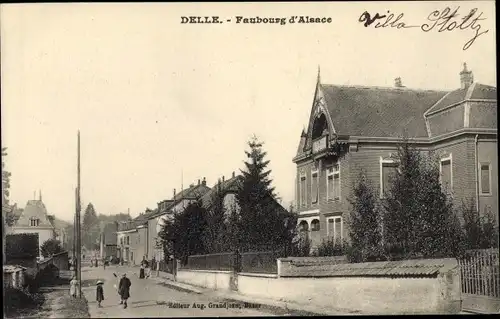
x,y
233,174
466,77
398,83
204,182
222,179
198,182
174,193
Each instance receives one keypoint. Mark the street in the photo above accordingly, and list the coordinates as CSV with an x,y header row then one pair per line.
x,y
151,299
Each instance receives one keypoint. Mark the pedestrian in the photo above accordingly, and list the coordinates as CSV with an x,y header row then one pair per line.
x,y
141,271
72,287
104,263
124,290
99,293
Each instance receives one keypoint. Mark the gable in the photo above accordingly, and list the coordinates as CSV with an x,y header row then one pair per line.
x,y
35,209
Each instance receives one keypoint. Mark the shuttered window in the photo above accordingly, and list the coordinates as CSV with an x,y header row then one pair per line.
x,y
389,171
314,187
485,178
446,175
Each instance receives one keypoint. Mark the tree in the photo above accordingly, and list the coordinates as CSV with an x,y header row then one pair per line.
x,y
489,231
419,220
472,225
364,222
90,227
262,222
184,234
51,247
7,213
214,234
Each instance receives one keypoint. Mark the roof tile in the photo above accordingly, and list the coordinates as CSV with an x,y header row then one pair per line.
x,y
379,112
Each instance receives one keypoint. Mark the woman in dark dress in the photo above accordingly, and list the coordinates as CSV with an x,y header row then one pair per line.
x,y
99,293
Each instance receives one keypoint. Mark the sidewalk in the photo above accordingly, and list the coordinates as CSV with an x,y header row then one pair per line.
x,y
232,296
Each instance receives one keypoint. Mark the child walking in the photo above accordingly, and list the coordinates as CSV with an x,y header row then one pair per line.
x,y
99,293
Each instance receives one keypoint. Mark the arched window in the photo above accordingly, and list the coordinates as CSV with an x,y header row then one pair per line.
x,y
303,226
315,225
319,126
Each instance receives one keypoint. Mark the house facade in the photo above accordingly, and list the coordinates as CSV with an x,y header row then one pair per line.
x,y
137,239
35,219
354,128
132,240
108,239
166,210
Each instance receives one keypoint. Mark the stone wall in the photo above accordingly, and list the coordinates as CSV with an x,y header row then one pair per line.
x,y
405,287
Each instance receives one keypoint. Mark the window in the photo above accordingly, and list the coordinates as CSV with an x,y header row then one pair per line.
x,y
128,240
315,225
303,226
314,186
335,228
446,174
302,190
333,183
485,175
388,169
34,222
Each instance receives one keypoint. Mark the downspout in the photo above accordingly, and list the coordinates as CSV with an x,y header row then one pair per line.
x,y
477,178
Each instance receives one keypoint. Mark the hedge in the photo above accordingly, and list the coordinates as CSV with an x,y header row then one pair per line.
x,y
20,246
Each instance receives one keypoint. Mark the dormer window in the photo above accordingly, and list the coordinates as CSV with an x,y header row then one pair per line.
x,y
34,222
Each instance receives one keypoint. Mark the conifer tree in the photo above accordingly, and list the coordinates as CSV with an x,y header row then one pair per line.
x,y
364,221
261,222
419,220
214,235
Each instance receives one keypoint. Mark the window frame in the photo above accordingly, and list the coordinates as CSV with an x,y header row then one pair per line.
x,y
441,161
318,223
382,162
332,173
302,203
480,165
314,171
329,231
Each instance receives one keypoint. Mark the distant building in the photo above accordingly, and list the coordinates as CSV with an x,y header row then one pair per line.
x,y
35,219
108,239
356,127
226,188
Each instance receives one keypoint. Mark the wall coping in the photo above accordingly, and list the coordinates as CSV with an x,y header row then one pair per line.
x,y
207,270
404,268
250,274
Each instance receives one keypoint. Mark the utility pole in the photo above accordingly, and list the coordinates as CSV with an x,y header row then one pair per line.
x,y
78,228
74,234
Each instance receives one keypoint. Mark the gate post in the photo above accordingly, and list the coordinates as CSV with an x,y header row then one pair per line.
x,y
236,270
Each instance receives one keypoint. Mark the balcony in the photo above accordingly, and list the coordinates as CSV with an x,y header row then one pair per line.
x,y
320,144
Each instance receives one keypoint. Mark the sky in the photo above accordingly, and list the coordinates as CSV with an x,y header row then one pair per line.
x,y
161,104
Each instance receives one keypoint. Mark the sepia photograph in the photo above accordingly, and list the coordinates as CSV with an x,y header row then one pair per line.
x,y
192,159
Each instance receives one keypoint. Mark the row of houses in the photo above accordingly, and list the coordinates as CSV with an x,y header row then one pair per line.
x,y
137,239
357,128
